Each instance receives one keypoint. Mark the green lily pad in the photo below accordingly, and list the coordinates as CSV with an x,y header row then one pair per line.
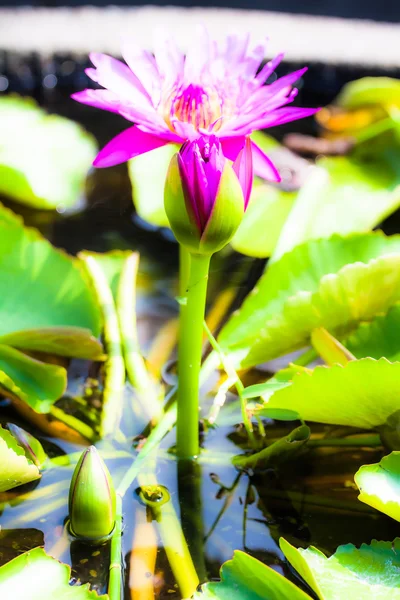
x,y
264,218
333,283
49,301
247,578
363,393
380,337
370,572
35,382
15,468
44,159
32,447
371,188
379,485
47,306
370,91
37,576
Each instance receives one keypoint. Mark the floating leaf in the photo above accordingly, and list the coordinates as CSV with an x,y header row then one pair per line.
x,y
147,173
278,452
15,468
48,295
380,337
371,572
370,187
264,218
37,383
247,578
370,91
363,393
37,576
334,283
379,485
44,159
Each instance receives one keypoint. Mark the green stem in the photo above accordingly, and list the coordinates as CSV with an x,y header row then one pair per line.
x,y
114,366
115,577
189,356
135,365
184,269
151,445
85,430
191,509
172,536
234,377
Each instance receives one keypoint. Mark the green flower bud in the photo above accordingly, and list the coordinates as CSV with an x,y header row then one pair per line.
x,y
32,447
203,197
91,498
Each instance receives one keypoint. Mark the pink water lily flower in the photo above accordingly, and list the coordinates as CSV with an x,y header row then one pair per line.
x,y
173,98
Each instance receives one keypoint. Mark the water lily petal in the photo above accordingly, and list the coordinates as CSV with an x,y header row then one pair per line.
x,y
263,166
127,145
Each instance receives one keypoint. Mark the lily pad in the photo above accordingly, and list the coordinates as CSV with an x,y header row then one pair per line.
x,y
379,485
35,382
37,576
49,297
247,578
370,572
47,306
371,187
333,283
370,91
380,337
44,159
264,218
363,393
15,468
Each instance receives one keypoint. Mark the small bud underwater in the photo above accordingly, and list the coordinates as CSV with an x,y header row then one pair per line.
x,y
92,499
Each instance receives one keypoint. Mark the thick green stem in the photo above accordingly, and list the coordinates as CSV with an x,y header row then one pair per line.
x,y
189,356
115,577
114,366
135,365
184,269
158,500
191,508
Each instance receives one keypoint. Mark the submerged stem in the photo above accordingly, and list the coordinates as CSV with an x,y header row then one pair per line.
x,y
114,366
189,356
135,365
115,577
76,424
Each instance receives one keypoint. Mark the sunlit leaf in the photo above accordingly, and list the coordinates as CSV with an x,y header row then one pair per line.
x,y
370,572
370,91
379,485
15,468
380,337
343,195
37,383
43,291
44,159
247,578
147,173
266,213
32,447
363,393
276,453
334,283
37,576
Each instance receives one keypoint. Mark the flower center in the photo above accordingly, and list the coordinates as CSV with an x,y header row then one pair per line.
x,y
196,105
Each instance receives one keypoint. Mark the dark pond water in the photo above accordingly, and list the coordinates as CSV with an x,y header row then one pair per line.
x,y
309,501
